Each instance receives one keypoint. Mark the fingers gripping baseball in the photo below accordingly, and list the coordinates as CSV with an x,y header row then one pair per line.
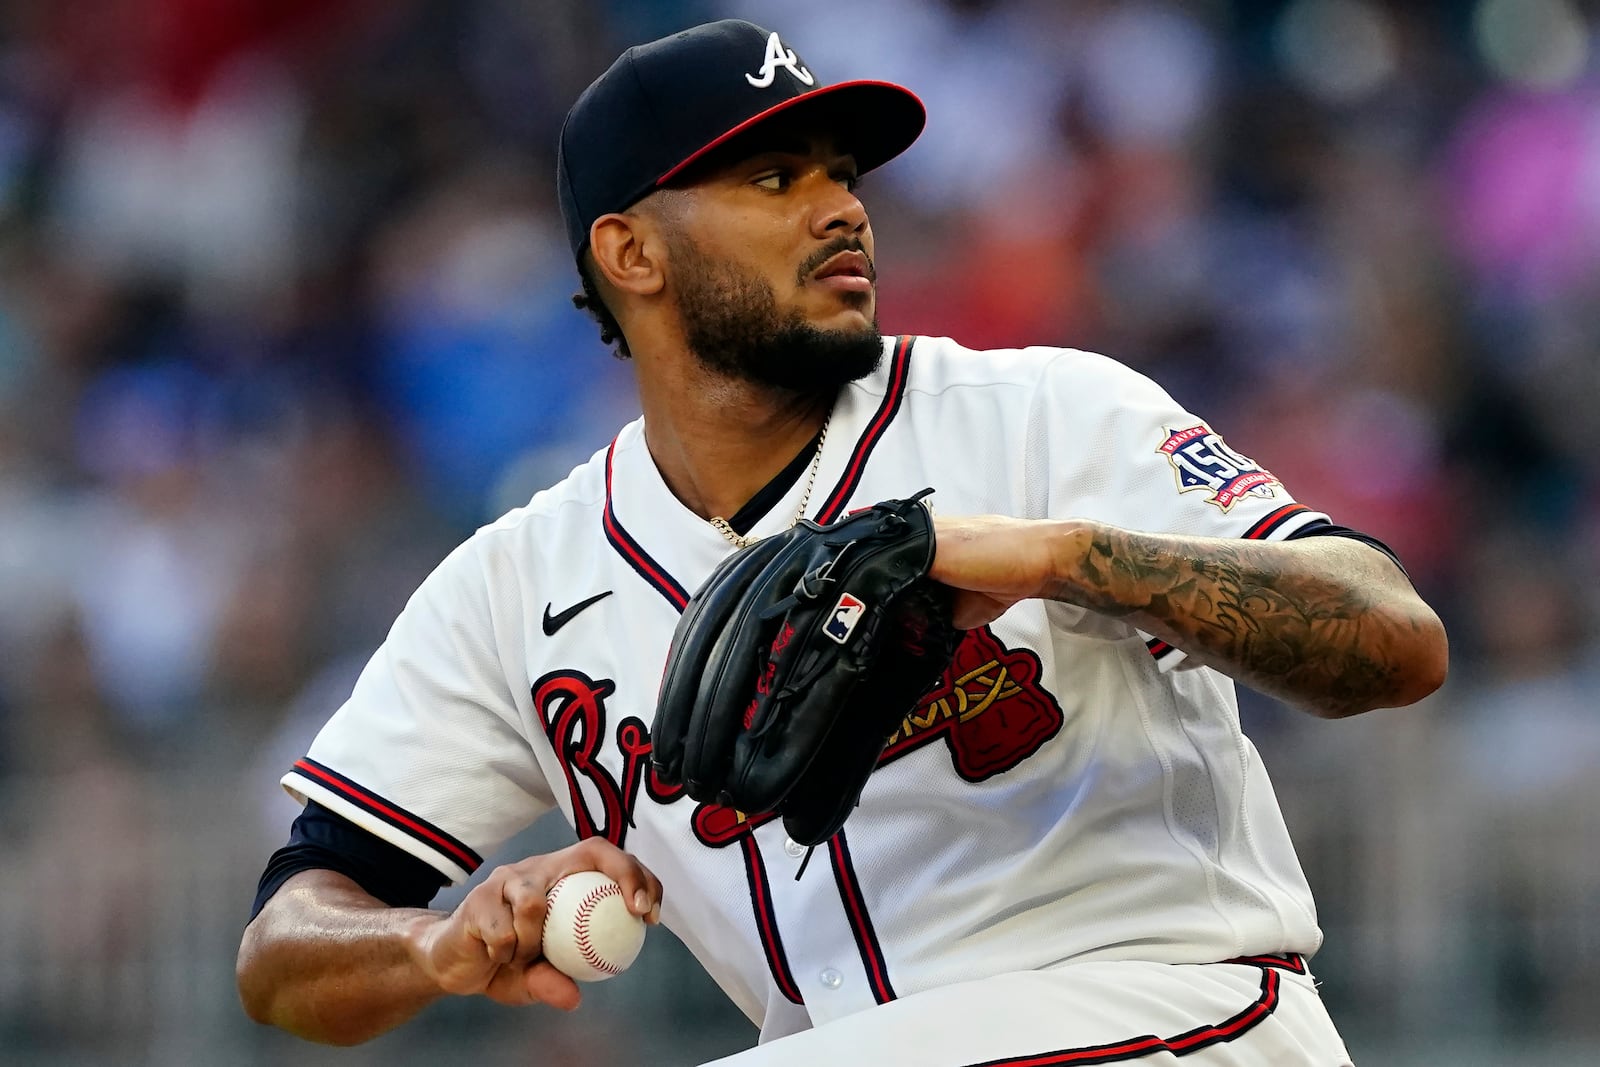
x,y
492,943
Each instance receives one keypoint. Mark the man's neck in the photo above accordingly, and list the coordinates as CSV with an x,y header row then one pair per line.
x,y
717,442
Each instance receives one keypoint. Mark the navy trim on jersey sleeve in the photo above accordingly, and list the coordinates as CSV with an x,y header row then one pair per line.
x,y
1324,528
321,839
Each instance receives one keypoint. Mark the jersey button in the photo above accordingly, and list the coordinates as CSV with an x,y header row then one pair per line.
x,y
831,978
793,847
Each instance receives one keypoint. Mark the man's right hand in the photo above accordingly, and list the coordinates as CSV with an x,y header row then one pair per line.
x,y
491,944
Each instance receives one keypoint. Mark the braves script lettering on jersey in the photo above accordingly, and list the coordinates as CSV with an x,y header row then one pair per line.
x,y
1064,796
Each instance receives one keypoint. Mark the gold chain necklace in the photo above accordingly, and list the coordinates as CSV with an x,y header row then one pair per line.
x,y
738,540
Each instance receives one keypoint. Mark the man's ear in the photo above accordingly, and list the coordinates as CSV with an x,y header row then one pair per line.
x,y
626,251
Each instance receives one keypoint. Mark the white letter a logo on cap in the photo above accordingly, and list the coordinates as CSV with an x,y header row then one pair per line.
x,y
779,56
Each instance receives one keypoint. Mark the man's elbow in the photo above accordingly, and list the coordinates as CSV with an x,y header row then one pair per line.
x,y
267,1002
267,998
261,991
1421,663
1429,662
255,987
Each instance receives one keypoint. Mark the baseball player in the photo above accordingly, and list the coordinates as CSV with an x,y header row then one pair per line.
x,y
1068,852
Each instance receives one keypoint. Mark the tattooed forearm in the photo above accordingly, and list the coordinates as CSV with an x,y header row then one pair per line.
x,y
1325,623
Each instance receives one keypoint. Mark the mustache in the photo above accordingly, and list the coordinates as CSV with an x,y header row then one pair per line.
x,y
833,248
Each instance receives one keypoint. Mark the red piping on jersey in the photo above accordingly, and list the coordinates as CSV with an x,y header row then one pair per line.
x,y
1138,1047
652,572
1273,521
844,873
418,828
1295,962
634,553
898,372
767,921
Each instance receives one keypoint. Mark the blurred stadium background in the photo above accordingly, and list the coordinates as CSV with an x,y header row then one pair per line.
x,y
284,315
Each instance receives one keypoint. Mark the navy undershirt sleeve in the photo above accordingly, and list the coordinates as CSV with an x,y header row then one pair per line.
x,y
323,840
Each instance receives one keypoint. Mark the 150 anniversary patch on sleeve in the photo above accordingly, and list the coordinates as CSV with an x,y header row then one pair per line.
x,y
1203,461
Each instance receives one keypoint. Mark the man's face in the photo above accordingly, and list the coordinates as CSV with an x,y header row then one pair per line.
x,y
771,268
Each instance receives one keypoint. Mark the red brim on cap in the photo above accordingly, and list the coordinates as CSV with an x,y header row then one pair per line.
x,y
875,120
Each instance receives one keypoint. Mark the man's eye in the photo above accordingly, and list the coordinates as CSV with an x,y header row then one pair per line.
x,y
775,182
852,182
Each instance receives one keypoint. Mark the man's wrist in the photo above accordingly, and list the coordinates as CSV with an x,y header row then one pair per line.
x,y
418,933
1088,568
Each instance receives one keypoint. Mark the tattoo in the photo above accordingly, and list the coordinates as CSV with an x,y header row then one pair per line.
x,y
1308,629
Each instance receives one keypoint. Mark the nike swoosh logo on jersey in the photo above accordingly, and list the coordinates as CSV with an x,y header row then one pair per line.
x,y
552,623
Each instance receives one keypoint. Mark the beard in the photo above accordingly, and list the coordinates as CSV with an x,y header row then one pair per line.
x,y
732,325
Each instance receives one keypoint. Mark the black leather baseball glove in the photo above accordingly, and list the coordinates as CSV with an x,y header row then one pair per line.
x,y
796,661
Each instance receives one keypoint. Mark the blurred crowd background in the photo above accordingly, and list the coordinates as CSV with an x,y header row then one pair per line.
x,y
285,314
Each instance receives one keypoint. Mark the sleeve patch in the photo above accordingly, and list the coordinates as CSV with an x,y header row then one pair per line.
x,y
1202,461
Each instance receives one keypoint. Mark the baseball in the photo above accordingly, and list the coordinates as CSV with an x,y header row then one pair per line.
x,y
589,933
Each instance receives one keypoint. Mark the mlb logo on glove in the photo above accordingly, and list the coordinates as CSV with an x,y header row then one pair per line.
x,y
846,613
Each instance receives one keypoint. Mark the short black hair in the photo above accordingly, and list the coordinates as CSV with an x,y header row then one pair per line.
x,y
591,301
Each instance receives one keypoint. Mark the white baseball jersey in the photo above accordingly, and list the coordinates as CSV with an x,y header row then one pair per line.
x,y
1064,796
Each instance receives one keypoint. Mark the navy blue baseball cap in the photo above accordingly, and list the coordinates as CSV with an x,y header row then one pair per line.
x,y
663,106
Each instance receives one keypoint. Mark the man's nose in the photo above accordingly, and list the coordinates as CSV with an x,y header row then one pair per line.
x,y
838,211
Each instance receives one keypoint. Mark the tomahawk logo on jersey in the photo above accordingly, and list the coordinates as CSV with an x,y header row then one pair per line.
x,y
1064,735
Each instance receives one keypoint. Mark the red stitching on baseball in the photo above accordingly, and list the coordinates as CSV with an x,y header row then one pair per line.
x,y
586,908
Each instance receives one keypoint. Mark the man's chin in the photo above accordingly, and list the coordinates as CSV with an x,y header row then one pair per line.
x,y
845,333
735,328
816,359
845,320
846,311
